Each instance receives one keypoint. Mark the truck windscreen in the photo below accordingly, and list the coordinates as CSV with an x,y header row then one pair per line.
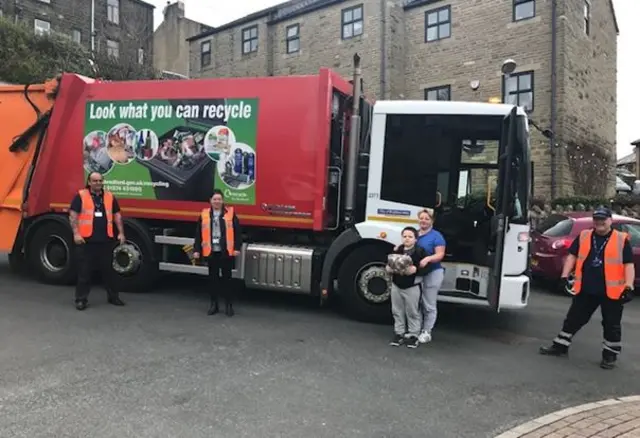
x,y
440,159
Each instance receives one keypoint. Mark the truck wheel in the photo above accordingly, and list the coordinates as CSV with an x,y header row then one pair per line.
x,y
50,254
134,264
365,287
17,263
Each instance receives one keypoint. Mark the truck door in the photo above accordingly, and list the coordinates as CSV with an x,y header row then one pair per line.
x,y
504,201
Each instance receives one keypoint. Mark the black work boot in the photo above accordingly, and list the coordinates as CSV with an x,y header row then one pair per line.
x,y
213,308
554,350
115,301
228,310
608,362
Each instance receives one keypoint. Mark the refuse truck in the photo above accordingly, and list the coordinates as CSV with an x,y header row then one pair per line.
x,y
323,181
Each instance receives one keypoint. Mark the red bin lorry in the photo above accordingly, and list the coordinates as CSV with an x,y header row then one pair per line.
x,y
322,180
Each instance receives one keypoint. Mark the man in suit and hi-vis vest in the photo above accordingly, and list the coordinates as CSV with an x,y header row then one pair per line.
x,y
218,240
93,214
604,277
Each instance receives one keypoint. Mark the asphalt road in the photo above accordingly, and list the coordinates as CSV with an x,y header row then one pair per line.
x,y
160,367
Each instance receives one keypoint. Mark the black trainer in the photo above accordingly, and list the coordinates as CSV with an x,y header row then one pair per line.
x,y
213,309
81,305
554,350
412,342
115,302
608,363
397,341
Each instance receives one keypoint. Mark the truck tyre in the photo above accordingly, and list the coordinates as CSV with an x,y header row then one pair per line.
x,y
17,263
364,286
134,264
50,254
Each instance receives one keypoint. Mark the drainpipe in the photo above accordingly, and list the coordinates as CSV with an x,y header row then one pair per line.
x,y
93,26
354,144
554,87
383,50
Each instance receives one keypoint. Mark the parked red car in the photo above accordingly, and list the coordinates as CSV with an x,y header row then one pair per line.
x,y
551,240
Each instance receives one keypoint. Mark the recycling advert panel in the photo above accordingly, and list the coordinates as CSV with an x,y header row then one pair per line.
x,y
174,150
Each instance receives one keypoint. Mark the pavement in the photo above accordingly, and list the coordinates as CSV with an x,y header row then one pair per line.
x,y
160,367
619,417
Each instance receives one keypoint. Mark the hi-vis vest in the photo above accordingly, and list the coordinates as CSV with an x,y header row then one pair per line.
x,y
87,212
206,231
612,258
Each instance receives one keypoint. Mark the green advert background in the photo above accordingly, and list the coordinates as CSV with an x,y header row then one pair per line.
x,y
134,179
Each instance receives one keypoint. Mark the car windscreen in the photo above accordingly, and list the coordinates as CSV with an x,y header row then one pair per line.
x,y
555,225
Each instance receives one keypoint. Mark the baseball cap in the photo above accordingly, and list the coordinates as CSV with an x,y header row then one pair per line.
x,y
602,213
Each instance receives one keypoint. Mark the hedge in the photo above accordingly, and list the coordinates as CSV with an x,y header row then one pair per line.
x,y
28,58
622,200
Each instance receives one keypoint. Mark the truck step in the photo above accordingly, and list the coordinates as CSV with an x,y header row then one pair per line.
x,y
191,269
261,266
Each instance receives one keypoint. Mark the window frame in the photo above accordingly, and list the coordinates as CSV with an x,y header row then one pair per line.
x,y
37,28
113,11
586,17
438,23
141,56
517,3
205,56
519,91
78,33
436,90
352,22
111,48
249,40
290,39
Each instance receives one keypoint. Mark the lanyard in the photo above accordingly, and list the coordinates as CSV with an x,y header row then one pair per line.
x,y
599,250
97,200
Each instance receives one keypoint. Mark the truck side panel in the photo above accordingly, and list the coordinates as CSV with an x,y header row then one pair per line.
x,y
17,115
292,140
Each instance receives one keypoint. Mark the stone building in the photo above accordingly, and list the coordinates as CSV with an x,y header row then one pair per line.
x,y
122,28
434,49
170,45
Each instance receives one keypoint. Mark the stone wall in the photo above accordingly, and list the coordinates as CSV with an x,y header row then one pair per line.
x,y
483,34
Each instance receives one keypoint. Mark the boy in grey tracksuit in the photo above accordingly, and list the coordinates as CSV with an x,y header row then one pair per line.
x,y
406,290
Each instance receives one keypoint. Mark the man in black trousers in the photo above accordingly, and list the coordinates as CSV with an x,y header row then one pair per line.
x,y
92,215
604,277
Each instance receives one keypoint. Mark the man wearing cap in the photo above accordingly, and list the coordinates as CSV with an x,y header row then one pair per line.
x,y
604,277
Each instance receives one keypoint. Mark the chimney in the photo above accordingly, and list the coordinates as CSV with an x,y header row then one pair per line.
x,y
176,9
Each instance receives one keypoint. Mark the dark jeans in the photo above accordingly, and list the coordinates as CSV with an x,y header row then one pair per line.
x,y
220,266
93,257
580,312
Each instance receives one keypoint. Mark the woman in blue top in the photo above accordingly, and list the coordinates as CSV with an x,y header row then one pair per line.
x,y
434,244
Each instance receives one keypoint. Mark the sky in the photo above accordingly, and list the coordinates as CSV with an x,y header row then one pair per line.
x,y
627,11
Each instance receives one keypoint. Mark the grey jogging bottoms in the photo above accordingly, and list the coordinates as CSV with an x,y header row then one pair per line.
x,y
405,306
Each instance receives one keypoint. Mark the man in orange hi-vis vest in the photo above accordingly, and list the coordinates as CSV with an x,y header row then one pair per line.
x,y
218,240
93,214
604,277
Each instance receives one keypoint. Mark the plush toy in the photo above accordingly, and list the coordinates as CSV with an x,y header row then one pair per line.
x,y
399,263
